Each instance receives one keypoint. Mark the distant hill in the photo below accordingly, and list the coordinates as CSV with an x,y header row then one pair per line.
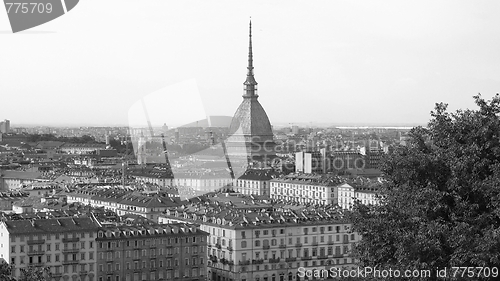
x,y
211,121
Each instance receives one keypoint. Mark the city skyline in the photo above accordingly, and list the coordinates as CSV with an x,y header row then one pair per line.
x,y
329,63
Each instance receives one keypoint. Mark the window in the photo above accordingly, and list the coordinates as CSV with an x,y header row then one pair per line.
x,y
257,243
243,244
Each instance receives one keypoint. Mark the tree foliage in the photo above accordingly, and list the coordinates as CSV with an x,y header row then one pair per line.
x,y
51,137
35,274
441,205
27,274
6,271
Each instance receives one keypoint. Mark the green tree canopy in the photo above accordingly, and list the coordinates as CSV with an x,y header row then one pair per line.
x,y
441,205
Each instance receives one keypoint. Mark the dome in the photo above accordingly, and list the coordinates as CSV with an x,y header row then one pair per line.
x,y
251,119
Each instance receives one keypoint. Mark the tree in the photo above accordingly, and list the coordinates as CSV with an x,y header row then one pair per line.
x,y
35,274
6,271
441,205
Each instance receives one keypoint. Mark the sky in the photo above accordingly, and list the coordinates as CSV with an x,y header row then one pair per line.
x,y
338,62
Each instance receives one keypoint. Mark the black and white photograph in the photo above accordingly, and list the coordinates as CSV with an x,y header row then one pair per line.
x,y
218,140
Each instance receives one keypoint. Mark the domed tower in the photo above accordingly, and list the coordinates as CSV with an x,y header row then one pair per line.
x,y
250,132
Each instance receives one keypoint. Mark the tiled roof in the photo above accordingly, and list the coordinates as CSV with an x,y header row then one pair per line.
x,y
311,179
85,145
20,175
131,231
60,225
260,175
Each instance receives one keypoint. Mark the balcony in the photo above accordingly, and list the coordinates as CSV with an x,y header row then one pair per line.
x,y
282,246
338,255
259,261
246,262
37,264
330,242
266,247
33,242
298,245
71,250
70,262
36,253
276,260
218,246
290,259
322,257
70,240
209,245
213,258
229,248
306,258
314,243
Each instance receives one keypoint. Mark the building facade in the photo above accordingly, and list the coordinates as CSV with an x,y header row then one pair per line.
x,y
306,188
270,244
153,252
65,245
256,181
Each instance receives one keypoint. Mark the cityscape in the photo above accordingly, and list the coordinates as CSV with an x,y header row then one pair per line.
x,y
183,191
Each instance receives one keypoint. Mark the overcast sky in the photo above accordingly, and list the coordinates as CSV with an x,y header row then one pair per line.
x,y
315,61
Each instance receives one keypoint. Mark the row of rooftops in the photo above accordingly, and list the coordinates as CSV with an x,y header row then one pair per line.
x,y
359,183
266,217
12,194
42,225
244,210
155,230
125,197
57,225
312,179
260,174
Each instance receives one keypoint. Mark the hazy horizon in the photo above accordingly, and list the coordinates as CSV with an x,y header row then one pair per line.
x,y
325,62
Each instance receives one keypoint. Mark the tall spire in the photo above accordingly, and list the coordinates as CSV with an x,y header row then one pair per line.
x,y
250,83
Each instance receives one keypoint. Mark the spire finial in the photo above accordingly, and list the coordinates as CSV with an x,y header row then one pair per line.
x,y
250,83
250,54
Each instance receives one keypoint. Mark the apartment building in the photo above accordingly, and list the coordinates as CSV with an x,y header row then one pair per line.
x,y
153,252
367,195
307,188
66,245
256,181
271,243
123,202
